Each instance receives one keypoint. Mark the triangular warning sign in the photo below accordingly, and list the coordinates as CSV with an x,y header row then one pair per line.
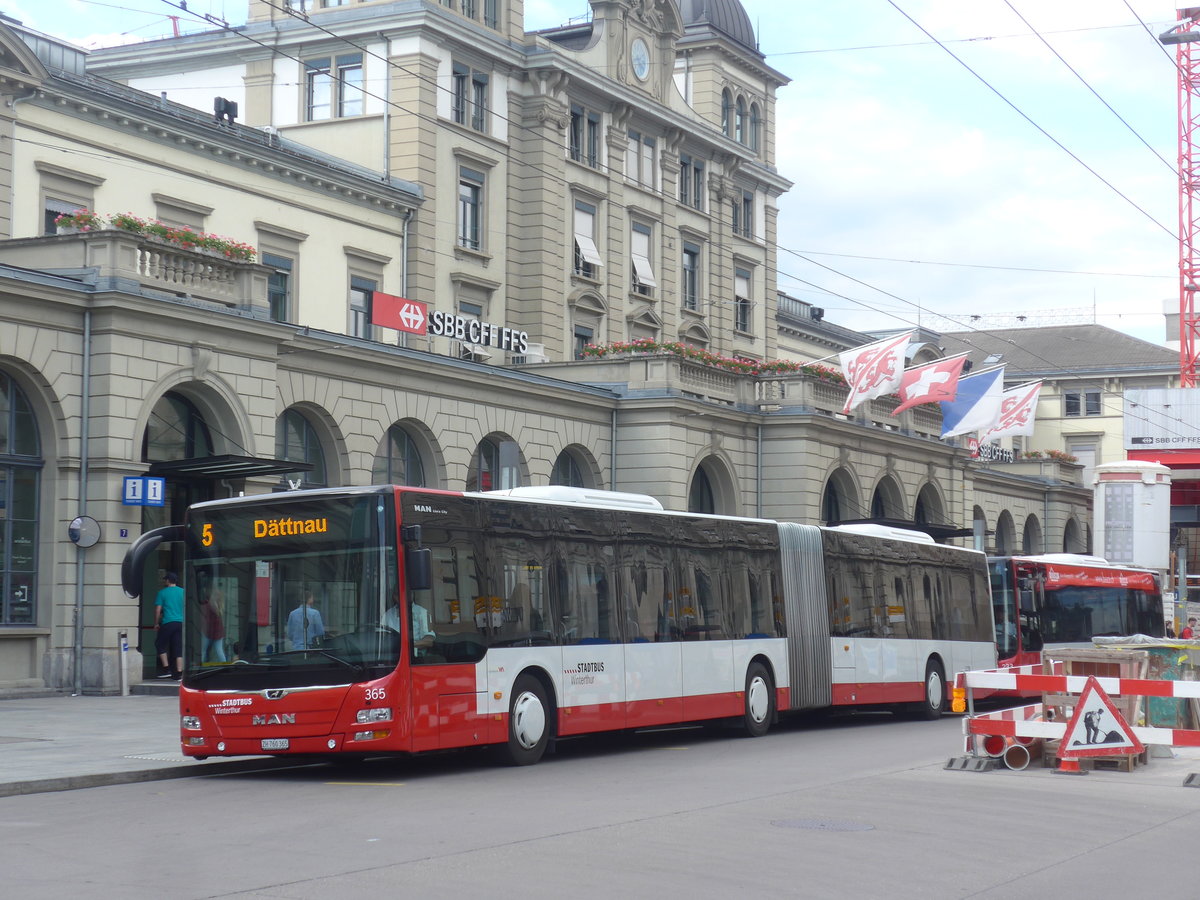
x,y
1096,728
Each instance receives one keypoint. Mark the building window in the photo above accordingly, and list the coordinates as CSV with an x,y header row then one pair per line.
x,y
582,336
491,14
567,471
470,208
727,113
495,466
742,305
1082,402
639,160
690,283
399,460
583,138
20,464
739,125
279,286
361,291
755,127
296,441
469,97
334,86
468,8
743,215
691,182
643,281
587,255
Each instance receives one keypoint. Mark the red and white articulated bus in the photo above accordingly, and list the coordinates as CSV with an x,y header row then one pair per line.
x,y
1064,599
381,620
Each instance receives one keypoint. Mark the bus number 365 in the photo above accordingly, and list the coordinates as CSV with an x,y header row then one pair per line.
x,y
376,693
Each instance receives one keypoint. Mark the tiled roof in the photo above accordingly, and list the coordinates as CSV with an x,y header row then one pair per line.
x,y
1058,350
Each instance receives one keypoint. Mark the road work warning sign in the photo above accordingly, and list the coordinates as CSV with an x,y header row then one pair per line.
x,y
1097,728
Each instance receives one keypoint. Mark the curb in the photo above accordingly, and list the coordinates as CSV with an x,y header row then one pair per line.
x,y
193,770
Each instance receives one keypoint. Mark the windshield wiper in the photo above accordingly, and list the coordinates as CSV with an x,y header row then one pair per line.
x,y
357,668
209,671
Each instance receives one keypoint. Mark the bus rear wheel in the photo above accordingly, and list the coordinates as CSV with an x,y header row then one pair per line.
x,y
760,701
934,703
528,722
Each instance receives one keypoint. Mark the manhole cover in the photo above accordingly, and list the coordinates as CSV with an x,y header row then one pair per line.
x,y
822,825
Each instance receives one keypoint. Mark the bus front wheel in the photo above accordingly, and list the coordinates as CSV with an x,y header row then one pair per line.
x,y
528,722
760,701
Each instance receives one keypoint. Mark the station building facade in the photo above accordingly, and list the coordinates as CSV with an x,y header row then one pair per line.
x,y
125,353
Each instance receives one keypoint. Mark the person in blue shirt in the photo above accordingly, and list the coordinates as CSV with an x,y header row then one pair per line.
x,y
168,623
305,628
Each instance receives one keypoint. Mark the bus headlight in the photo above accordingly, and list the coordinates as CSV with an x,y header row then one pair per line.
x,y
189,723
374,714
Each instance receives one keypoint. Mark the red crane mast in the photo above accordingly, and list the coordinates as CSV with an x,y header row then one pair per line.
x,y
1187,58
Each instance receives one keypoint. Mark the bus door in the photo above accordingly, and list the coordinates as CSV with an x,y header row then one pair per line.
x,y
593,657
1031,596
653,652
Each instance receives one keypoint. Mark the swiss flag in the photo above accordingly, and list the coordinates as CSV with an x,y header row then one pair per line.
x,y
390,311
931,383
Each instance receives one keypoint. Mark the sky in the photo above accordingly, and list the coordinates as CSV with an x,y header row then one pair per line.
x,y
956,165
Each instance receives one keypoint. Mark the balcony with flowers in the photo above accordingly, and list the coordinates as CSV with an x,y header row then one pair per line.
x,y
160,257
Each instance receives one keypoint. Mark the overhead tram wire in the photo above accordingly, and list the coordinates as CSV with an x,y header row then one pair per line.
x,y
1095,93
934,262
1028,119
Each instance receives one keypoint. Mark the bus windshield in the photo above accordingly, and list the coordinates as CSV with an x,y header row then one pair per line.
x,y
290,593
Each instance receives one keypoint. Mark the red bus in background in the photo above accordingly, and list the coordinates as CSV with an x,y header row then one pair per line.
x,y
1064,599
384,620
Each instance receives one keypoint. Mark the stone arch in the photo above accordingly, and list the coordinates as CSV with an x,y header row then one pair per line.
x,y
328,453
1031,535
887,500
218,403
929,508
712,485
404,442
1006,534
497,463
575,466
839,499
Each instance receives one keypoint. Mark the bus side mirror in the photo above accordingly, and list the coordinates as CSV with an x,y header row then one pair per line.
x,y
418,568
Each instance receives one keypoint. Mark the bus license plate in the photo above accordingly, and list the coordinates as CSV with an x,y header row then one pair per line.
x,y
275,743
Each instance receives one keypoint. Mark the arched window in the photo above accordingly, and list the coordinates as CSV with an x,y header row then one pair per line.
x,y
740,126
567,472
700,494
176,430
20,465
755,127
727,113
296,441
495,466
399,460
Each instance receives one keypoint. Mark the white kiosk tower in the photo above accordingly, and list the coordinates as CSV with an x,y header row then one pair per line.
x,y
1133,514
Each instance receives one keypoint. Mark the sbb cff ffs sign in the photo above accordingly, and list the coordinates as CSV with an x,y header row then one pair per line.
x,y
413,317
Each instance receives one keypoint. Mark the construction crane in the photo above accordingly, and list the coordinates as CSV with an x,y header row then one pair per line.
x,y
1184,36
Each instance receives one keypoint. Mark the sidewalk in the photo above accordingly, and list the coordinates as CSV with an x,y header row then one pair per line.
x,y
60,743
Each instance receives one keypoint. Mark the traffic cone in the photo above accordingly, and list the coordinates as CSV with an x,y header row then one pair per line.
x,y
1069,767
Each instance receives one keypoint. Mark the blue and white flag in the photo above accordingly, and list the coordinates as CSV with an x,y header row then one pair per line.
x,y
976,406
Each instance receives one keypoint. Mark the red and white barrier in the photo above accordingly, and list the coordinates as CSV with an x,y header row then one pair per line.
x,y
1027,723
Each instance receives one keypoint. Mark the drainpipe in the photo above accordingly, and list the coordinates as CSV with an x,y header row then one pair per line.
x,y
408,215
81,553
612,453
758,478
